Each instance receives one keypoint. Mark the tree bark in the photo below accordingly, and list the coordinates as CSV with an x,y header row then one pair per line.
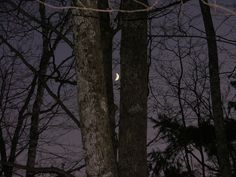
x,y
133,93
92,97
221,142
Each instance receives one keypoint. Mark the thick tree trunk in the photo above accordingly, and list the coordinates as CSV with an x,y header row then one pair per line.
x,y
34,129
221,143
92,97
106,38
134,92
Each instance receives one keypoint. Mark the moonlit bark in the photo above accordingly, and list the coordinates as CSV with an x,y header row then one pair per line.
x,y
92,97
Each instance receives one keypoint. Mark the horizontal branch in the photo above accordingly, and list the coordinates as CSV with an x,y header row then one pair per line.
x,y
146,8
219,38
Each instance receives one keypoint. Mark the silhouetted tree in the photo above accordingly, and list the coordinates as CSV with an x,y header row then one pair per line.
x,y
134,92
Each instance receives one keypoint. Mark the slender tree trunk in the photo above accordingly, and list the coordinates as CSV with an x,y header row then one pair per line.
x,y
106,39
20,120
221,143
92,96
179,93
34,129
4,166
134,92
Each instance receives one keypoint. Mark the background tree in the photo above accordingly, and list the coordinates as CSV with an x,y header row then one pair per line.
x,y
217,111
15,123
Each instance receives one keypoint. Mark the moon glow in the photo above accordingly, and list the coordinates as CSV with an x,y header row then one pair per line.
x,y
117,77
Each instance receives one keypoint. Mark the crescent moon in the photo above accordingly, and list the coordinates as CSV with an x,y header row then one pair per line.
x,y
117,77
